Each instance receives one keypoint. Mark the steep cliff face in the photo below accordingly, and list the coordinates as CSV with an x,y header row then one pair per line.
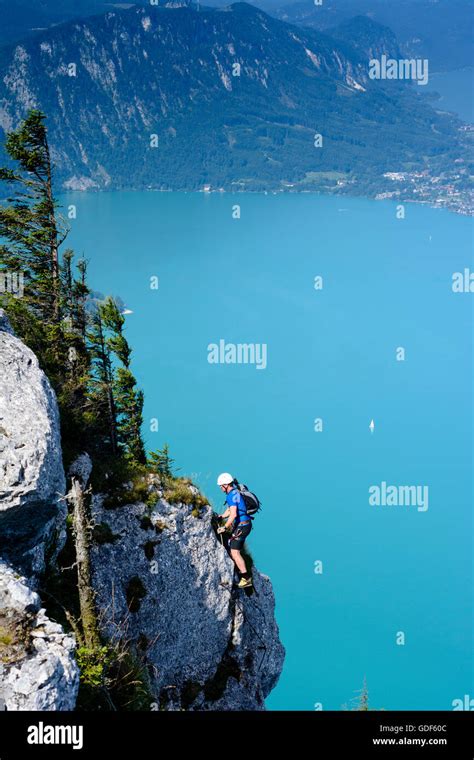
x,y
31,472
37,665
165,583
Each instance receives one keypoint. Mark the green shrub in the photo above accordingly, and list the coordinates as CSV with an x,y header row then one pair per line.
x,y
129,685
178,492
93,664
152,499
15,639
122,495
112,477
6,638
112,677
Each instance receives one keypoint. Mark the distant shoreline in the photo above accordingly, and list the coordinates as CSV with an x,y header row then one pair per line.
x,y
284,191
451,207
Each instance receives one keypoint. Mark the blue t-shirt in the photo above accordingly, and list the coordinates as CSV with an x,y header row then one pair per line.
x,y
235,499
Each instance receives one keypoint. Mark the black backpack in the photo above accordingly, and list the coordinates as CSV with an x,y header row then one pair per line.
x,y
252,502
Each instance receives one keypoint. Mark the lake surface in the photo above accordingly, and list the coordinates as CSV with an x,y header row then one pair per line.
x,y
457,92
388,572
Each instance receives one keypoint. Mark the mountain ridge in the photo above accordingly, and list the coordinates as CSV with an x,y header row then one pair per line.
x,y
437,30
172,73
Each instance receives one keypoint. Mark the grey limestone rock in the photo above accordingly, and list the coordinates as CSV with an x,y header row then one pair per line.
x,y
164,581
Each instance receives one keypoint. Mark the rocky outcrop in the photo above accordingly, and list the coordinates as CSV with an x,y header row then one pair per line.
x,y
31,471
37,665
165,583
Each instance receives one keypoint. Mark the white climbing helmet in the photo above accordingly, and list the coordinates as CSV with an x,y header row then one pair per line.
x,y
225,479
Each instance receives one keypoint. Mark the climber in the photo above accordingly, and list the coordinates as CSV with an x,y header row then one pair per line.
x,y
237,520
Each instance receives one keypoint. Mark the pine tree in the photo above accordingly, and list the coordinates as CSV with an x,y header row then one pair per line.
x,y
49,315
130,407
72,391
82,350
67,280
363,704
81,294
34,233
129,400
161,462
101,396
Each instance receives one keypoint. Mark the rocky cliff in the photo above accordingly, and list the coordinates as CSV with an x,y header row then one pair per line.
x,y
163,581
38,670
37,666
32,478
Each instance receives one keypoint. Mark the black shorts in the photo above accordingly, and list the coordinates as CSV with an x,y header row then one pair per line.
x,y
239,534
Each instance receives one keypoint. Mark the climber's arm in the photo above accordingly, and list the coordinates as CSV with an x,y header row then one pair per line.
x,y
232,512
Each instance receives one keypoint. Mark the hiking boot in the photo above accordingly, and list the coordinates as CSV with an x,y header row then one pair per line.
x,y
244,583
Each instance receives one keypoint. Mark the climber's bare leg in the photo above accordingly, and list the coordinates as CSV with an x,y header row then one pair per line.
x,y
239,560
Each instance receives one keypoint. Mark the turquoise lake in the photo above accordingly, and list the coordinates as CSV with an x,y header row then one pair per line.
x,y
456,89
331,354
